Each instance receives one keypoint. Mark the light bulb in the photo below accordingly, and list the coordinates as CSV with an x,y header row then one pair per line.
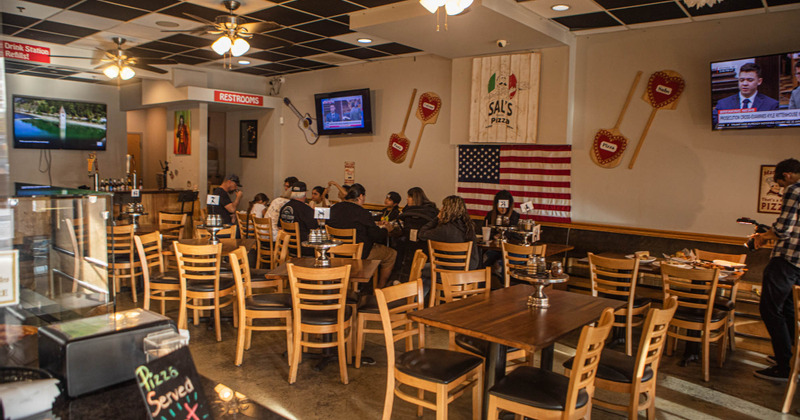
x,y
222,45
432,5
126,73
111,71
453,7
239,47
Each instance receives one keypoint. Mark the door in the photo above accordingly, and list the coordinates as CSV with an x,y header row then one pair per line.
x,y
135,149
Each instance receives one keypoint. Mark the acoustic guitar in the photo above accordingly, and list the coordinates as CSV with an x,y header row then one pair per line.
x,y
305,123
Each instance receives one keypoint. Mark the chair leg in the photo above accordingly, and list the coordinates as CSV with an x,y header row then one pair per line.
x,y
340,343
297,356
249,336
792,385
182,315
359,344
388,400
651,409
146,304
240,342
705,350
289,349
421,396
723,345
477,396
217,324
732,332
493,411
441,402
133,285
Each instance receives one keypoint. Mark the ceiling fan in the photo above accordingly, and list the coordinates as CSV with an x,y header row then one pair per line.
x,y
117,63
233,30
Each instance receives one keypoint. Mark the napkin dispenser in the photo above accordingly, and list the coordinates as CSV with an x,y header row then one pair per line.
x,y
88,354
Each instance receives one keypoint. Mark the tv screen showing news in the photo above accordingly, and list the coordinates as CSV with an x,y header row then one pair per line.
x,y
41,123
756,92
345,112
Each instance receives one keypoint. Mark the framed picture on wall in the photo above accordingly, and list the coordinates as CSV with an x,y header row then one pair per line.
x,y
182,143
769,193
248,138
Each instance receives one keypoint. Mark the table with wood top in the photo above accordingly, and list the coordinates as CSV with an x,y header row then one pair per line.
x,y
552,249
505,320
361,271
228,244
727,282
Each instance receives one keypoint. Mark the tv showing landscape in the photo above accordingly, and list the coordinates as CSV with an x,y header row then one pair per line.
x,y
756,92
41,123
345,112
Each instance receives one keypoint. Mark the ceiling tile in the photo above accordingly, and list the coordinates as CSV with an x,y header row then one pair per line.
x,y
252,70
45,75
275,67
165,46
139,52
206,53
282,15
180,10
325,27
294,35
151,5
375,3
264,42
19,65
301,62
781,2
725,6
268,56
649,13
84,20
192,41
614,4
63,29
185,59
55,3
342,19
324,8
80,79
588,21
337,59
394,48
108,10
328,44
151,21
17,20
362,53
10,30
297,51
245,6
45,36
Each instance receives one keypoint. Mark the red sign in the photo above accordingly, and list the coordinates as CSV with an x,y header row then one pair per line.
x,y
17,51
238,98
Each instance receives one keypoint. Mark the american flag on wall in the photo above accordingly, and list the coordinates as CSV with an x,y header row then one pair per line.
x,y
538,173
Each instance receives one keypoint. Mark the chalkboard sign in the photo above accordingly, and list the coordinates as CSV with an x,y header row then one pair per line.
x,y
170,387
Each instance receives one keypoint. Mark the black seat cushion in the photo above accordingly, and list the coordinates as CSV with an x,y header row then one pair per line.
x,y
257,274
208,285
616,366
352,297
167,277
369,304
640,302
436,365
477,345
724,304
537,388
698,315
323,317
269,302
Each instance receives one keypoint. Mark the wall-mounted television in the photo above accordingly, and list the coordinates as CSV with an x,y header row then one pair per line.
x,y
345,112
756,92
41,123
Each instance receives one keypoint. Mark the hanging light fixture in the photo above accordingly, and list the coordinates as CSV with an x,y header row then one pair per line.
x,y
700,3
230,43
126,73
451,8
111,71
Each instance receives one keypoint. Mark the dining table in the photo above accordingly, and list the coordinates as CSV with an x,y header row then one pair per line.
x,y
361,271
228,244
550,250
504,319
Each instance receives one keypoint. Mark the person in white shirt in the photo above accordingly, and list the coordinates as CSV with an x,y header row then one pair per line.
x,y
259,205
274,210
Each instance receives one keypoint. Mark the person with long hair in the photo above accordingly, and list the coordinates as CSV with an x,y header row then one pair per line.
x,y
259,205
418,211
392,210
319,197
502,211
452,225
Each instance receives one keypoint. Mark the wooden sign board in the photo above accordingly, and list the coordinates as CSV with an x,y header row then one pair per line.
x,y
505,98
171,389
769,193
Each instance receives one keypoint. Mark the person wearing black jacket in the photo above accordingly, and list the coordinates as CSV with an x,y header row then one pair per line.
x,y
392,210
453,225
349,214
507,217
419,210
296,210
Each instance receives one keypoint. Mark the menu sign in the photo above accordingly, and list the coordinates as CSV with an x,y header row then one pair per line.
x,y
171,388
26,52
770,198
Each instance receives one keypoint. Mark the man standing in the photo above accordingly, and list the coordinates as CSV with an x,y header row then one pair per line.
x,y
226,208
748,96
782,272
794,100
296,210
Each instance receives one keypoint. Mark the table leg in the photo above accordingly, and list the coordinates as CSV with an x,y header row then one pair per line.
x,y
546,361
495,371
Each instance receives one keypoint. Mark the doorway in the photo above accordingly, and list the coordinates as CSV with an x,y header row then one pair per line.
x,y
135,149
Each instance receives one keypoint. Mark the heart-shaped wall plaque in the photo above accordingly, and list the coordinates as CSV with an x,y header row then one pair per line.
x,y
607,148
664,88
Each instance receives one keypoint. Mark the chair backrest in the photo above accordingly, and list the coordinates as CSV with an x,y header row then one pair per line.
x,y
711,256
694,288
120,241
293,229
447,256
262,228
394,318
282,247
241,274
587,357
796,296
245,226
347,251
518,255
167,221
198,262
654,338
347,236
463,284
148,247
318,289
417,264
614,277
78,234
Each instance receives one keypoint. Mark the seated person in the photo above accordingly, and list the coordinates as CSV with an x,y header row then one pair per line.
x,y
296,210
392,210
349,214
259,205
227,208
419,210
274,210
452,225
319,197
500,216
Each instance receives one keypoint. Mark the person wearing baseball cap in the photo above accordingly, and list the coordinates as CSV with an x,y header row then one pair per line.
x,y
296,210
227,208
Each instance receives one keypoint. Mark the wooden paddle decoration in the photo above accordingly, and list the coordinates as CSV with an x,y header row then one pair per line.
x,y
609,145
398,143
663,90
427,112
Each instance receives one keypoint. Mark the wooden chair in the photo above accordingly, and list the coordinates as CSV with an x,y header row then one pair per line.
x,y
446,373
542,394
635,376
696,290
352,251
446,257
262,228
795,363
293,229
198,268
319,307
257,306
166,224
725,302
245,225
159,284
347,236
368,309
515,255
121,262
616,278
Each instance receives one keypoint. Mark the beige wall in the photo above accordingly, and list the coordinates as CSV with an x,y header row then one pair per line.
x,y
190,171
152,123
256,174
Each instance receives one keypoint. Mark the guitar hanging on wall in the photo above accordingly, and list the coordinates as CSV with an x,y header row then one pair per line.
x,y
305,123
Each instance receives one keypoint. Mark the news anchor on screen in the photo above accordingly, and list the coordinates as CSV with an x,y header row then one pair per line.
x,y
748,96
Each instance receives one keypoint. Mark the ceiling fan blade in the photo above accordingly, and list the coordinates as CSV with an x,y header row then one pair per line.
x,y
200,30
259,27
199,19
149,68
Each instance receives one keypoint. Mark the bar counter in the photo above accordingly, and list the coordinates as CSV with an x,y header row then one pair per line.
x,y
155,201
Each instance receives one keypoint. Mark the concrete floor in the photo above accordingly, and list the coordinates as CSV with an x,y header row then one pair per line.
x,y
732,393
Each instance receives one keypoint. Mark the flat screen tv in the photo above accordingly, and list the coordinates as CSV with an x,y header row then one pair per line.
x,y
345,112
41,123
756,92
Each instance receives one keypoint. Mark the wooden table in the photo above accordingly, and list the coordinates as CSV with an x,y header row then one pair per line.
x,y
729,281
228,244
552,249
505,320
361,271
